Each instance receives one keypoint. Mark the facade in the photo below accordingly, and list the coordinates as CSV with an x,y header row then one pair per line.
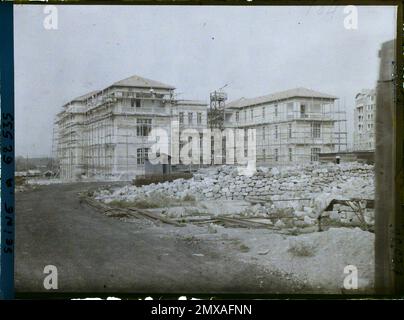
x,y
105,133
292,126
364,120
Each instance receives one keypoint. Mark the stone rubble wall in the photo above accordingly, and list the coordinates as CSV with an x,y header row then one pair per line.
x,y
304,190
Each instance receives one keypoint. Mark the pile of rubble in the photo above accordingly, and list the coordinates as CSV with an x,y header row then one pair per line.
x,y
303,191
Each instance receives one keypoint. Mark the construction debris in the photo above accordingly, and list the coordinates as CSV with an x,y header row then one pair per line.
x,y
286,197
126,212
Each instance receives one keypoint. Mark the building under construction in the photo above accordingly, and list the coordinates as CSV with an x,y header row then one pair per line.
x,y
105,133
292,126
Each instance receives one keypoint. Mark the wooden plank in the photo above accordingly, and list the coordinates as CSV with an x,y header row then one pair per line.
x,y
398,224
370,203
389,229
131,212
155,216
243,222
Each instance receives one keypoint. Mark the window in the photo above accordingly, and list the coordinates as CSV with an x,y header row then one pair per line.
x,y
290,154
199,118
276,132
252,114
237,116
314,154
190,144
263,133
190,116
143,127
303,111
276,110
245,115
315,130
263,112
290,130
223,149
142,155
132,103
264,156
289,108
201,147
181,116
276,155
138,103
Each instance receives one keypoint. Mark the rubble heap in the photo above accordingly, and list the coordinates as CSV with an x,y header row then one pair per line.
x,y
304,189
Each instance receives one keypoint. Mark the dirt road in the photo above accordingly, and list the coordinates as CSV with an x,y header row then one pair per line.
x,y
96,253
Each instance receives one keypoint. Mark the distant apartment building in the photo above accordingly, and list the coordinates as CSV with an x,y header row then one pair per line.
x,y
105,133
292,126
364,120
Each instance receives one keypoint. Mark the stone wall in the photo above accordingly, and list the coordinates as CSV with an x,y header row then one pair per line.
x,y
304,191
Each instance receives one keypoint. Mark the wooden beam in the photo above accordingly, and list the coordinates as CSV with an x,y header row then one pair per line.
x,y
389,174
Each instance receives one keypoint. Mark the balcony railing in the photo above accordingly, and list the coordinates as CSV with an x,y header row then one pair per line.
x,y
280,118
161,111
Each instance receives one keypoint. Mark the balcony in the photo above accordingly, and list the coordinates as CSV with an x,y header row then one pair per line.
x,y
310,116
144,111
309,140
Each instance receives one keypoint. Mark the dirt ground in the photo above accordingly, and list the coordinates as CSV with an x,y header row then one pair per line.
x,y
96,253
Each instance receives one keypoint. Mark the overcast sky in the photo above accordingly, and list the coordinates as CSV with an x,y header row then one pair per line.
x,y
256,50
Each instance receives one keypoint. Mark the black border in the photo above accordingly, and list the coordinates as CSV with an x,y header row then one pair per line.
x,y
7,150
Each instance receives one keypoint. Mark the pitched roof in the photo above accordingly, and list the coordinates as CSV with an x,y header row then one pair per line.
x,y
85,96
136,81
292,93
